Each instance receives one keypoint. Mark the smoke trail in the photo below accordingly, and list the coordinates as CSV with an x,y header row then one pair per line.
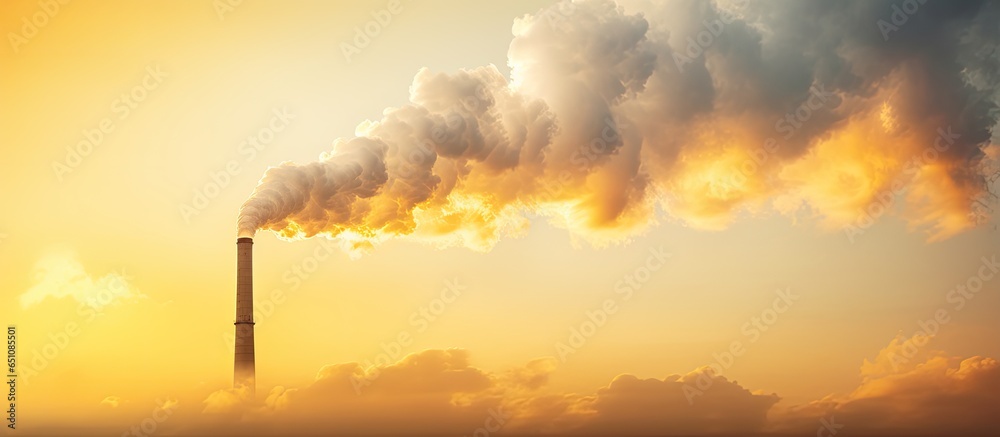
x,y
702,110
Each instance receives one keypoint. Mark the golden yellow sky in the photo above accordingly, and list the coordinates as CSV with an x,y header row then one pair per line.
x,y
122,260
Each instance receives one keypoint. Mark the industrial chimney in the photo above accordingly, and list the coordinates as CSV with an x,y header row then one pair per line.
x,y
243,372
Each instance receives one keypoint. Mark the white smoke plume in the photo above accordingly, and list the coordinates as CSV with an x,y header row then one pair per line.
x,y
616,116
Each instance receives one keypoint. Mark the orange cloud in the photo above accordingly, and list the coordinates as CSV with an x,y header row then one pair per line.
x,y
633,406
904,389
910,389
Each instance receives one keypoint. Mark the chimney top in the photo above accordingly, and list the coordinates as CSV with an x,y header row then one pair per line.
x,y
244,240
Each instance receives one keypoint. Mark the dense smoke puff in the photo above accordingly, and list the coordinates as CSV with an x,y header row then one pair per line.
x,y
835,110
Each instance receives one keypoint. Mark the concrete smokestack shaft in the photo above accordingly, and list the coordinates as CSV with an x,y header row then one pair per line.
x,y
244,374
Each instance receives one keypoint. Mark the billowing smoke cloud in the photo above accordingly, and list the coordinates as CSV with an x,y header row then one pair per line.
x,y
617,115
